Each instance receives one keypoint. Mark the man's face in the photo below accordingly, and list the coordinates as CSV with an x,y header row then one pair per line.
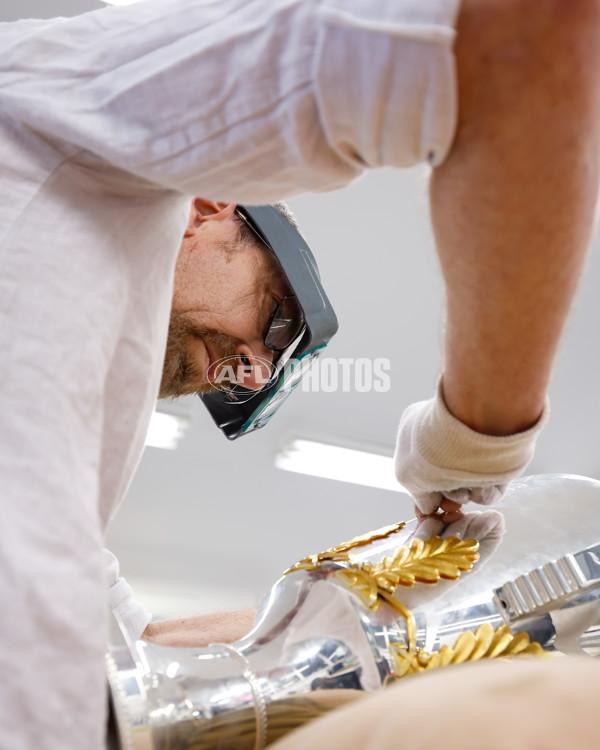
x,y
224,291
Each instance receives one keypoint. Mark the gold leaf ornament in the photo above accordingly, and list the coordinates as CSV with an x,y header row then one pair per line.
x,y
421,562
341,552
484,643
424,562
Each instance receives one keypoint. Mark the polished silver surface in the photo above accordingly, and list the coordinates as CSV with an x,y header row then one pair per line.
x,y
314,641
548,587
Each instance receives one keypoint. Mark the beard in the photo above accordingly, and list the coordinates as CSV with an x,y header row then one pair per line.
x,y
181,375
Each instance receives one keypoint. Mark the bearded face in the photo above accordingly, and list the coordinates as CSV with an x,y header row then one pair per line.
x,y
183,372
226,288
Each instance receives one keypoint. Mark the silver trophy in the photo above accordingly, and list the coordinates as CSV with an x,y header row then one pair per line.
x,y
523,578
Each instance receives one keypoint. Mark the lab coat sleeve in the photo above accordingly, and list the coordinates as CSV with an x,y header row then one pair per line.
x,y
244,100
129,613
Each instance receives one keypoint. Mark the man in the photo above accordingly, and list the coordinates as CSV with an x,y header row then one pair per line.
x,y
111,122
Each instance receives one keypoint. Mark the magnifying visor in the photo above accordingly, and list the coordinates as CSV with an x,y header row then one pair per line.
x,y
300,326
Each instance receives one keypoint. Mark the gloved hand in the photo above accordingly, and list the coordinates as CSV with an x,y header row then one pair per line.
x,y
486,526
438,457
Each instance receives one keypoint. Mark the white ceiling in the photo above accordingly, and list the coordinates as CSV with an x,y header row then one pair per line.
x,y
213,523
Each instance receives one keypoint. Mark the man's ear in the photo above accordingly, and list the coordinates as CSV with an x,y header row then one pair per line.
x,y
207,210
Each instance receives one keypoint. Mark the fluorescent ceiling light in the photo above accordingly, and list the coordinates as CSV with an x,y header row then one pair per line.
x,y
165,430
343,464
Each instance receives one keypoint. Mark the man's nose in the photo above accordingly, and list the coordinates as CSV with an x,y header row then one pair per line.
x,y
255,367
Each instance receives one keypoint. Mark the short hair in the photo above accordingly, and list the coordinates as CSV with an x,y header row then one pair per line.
x,y
284,210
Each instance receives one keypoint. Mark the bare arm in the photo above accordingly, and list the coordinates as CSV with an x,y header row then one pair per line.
x,y
513,205
201,630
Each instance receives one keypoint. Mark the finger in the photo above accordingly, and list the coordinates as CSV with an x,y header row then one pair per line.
x,y
449,506
420,514
451,517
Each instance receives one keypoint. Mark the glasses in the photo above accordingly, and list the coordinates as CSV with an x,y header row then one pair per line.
x,y
285,323
287,318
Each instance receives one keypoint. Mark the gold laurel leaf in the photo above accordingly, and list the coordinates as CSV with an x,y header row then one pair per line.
x,y
484,635
536,649
371,536
420,572
417,547
444,655
463,648
340,552
436,545
404,578
402,554
461,555
450,569
502,637
519,644
427,562
401,665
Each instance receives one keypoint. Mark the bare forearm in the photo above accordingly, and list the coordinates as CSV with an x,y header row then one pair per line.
x,y
201,630
513,205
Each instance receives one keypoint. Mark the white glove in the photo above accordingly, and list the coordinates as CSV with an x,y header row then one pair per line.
x,y
438,457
